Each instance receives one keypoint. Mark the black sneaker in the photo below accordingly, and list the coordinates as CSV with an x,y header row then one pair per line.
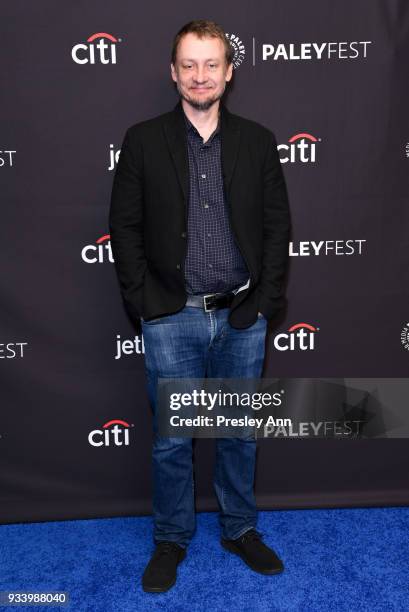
x,y
254,552
160,573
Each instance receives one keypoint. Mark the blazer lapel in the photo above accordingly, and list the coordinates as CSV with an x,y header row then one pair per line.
x,y
230,129
175,133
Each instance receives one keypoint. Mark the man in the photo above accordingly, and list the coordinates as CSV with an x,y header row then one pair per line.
x,y
199,226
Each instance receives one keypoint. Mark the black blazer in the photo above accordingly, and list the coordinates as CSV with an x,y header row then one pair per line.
x,y
149,207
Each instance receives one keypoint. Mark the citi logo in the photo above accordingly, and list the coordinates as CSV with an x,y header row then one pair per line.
x,y
113,433
99,252
100,49
299,337
300,148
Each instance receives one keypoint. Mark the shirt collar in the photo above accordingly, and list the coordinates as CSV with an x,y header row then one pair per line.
x,y
190,126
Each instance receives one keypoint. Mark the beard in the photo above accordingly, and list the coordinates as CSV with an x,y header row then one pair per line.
x,y
201,105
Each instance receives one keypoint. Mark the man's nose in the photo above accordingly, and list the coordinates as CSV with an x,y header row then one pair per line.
x,y
200,74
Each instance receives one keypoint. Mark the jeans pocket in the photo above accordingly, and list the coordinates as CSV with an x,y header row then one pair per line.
x,y
153,321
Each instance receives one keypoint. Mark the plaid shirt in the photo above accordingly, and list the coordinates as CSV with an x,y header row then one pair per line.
x,y
213,262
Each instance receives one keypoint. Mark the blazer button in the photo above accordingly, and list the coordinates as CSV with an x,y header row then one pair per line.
x,y
178,266
183,234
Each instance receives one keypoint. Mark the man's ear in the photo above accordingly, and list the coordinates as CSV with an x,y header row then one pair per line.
x,y
229,72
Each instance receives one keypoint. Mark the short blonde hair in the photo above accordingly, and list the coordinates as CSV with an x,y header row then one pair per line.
x,y
203,28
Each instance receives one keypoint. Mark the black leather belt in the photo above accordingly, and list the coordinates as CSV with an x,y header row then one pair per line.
x,y
210,301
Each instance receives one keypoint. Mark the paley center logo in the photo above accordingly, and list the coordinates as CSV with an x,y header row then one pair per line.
x,y
238,47
113,433
299,148
299,337
404,336
99,252
100,48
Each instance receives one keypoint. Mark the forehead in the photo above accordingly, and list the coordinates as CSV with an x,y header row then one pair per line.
x,y
191,47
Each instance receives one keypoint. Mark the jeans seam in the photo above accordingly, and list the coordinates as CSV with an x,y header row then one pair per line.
x,y
243,532
221,481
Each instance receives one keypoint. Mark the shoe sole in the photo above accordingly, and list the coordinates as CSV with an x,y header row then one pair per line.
x,y
233,549
168,586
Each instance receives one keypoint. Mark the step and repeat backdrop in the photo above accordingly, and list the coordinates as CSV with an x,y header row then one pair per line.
x,y
330,80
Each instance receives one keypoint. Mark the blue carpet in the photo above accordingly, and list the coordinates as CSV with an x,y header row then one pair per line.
x,y
342,559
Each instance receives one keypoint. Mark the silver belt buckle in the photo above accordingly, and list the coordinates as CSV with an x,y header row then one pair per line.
x,y
204,300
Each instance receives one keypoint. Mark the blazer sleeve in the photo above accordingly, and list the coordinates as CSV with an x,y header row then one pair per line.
x,y
126,224
276,233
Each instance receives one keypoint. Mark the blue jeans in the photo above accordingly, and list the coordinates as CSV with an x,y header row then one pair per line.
x,y
193,343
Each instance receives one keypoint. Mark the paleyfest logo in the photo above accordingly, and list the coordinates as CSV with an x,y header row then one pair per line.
x,y
307,248
315,51
6,158
113,433
12,350
99,252
299,337
100,48
300,148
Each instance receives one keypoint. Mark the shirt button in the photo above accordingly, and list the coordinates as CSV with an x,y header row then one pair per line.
x,y
178,266
206,205
203,176
183,234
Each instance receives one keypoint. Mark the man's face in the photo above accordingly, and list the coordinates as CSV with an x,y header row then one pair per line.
x,y
200,72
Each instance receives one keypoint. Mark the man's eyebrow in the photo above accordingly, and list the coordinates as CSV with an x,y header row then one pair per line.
x,y
210,59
